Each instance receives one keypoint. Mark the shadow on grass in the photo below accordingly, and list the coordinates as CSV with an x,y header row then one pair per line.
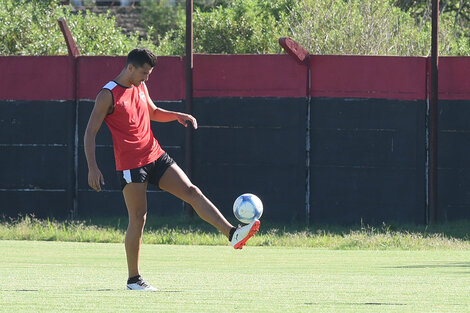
x,y
362,303
446,265
26,290
124,289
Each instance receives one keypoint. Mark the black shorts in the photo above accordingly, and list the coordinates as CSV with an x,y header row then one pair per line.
x,y
151,172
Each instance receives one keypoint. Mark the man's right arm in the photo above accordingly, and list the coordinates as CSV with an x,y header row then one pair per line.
x,y
103,105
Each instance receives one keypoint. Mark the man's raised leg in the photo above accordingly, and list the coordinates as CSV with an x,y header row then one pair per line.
x,y
175,181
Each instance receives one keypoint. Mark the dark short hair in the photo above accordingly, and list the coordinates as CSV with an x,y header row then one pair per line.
x,y
140,56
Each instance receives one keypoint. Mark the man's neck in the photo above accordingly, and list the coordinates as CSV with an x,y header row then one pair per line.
x,y
123,79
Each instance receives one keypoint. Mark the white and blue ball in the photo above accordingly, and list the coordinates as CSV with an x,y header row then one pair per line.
x,y
247,207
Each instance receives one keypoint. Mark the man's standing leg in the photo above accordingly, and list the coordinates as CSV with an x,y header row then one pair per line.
x,y
136,202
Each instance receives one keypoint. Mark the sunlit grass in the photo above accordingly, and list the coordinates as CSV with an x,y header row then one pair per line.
x,y
45,276
192,231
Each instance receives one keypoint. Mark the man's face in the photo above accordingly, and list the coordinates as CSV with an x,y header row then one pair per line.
x,y
140,74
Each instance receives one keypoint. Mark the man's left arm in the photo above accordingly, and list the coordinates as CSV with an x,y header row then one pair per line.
x,y
161,115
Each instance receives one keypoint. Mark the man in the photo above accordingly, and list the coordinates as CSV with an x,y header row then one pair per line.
x,y
126,107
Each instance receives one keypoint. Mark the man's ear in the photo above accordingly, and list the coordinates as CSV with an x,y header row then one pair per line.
x,y
130,67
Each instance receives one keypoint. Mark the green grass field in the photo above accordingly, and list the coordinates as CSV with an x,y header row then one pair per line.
x,y
38,276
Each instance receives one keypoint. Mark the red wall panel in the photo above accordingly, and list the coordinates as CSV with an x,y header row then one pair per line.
x,y
402,78
36,78
165,83
168,82
454,78
248,76
94,72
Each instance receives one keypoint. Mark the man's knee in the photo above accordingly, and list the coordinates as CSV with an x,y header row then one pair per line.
x,y
137,216
193,192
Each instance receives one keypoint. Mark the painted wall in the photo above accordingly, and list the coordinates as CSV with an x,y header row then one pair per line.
x,y
350,146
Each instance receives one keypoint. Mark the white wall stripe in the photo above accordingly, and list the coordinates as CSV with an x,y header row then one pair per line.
x,y
33,189
32,145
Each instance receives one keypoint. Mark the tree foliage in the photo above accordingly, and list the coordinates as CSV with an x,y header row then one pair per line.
x,y
456,12
381,27
376,27
31,28
235,27
458,9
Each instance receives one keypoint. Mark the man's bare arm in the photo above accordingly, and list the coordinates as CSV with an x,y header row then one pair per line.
x,y
103,105
161,115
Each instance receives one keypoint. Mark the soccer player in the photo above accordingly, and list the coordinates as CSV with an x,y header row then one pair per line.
x,y
126,107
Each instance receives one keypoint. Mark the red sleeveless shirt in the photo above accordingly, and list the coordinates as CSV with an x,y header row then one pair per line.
x,y
129,123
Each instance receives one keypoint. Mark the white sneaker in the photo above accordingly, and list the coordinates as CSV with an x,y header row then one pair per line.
x,y
242,234
141,285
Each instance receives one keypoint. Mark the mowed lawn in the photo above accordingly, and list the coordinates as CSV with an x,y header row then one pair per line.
x,y
90,277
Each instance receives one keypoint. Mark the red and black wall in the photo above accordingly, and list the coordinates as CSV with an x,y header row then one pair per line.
x,y
345,144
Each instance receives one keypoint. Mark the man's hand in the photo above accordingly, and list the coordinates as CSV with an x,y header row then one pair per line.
x,y
95,179
185,119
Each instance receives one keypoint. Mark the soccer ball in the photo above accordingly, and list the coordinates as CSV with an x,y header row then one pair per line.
x,y
247,207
